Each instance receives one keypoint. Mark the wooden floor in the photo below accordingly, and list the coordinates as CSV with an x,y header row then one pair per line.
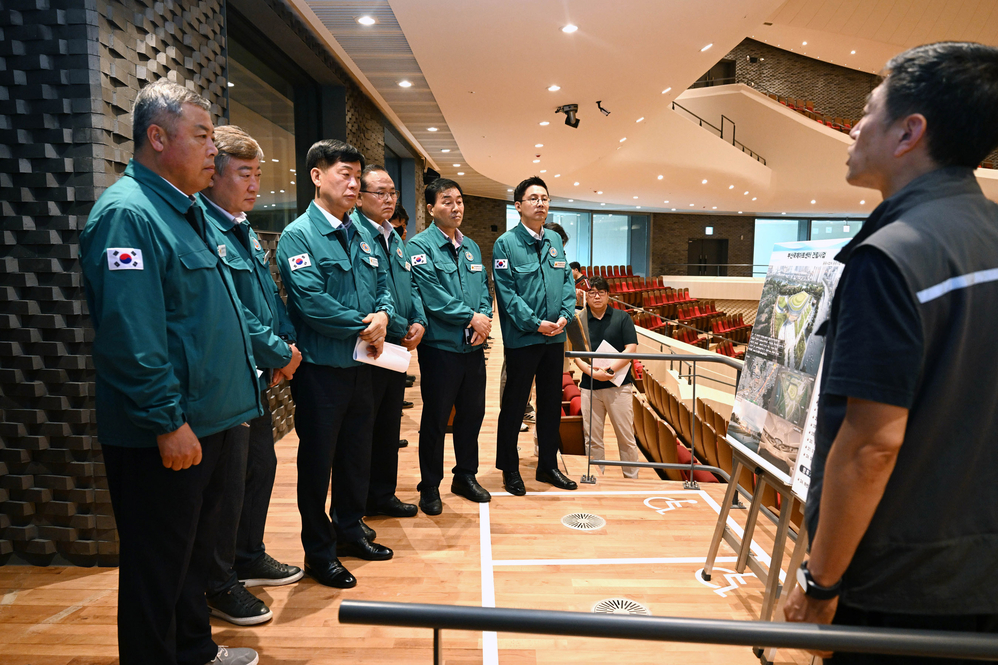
x,y
512,552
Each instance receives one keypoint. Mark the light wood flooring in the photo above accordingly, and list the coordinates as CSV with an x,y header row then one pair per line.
x,y
66,616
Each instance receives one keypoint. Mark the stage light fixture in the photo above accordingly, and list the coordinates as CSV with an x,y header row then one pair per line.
x,y
570,111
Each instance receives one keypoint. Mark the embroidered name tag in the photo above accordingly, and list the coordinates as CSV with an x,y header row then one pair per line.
x,y
124,258
502,264
373,261
559,264
300,261
408,266
222,250
475,267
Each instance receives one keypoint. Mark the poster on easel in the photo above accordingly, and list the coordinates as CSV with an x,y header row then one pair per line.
x,y
772,422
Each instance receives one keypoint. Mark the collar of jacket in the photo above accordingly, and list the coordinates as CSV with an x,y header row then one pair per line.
x,y
527,239
157,183
319,220
941,183
214,216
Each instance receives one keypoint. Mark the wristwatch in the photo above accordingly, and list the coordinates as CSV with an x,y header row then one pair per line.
x,y
814,590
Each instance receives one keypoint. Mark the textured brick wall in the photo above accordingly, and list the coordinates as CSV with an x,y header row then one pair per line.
x,y
836,91
282,407
480,215
671,234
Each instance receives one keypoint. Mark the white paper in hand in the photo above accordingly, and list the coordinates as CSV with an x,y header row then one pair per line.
x,y
394,357
603,363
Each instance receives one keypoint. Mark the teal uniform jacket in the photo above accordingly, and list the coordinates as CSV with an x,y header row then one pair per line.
x,y
171,343
264,311
332,285
408,305
531,286
452,290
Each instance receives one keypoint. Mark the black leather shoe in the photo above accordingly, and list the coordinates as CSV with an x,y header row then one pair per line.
x,y
364,549
556,478
407,404
403,443
369,533
410,380
330,573
393,508
513,483
429,501
465,485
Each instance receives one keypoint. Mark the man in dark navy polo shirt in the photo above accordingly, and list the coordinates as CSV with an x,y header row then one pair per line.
x,y
905,533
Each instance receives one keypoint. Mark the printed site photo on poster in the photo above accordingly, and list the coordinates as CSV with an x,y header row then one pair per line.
x,y
772,421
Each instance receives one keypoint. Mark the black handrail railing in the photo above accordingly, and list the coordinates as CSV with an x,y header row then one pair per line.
x,y
720,132
924,643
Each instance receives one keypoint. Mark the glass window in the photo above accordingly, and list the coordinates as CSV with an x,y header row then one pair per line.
x,y
611,240
512,217
640,248
831,229
576,225
262,103
768,232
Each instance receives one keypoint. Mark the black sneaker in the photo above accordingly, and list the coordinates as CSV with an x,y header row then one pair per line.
x,y
267,571
237,605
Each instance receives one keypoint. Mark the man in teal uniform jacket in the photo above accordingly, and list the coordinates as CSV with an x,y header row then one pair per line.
x,y
337,290
376,205
452,282
176,379
241,559
536,297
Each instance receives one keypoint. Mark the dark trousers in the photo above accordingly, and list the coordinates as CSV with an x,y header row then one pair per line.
x,y
333,420
545,364
448,379
167,526
389,393
852,616
249,482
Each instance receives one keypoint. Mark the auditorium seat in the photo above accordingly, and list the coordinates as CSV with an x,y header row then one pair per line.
x,y
684,457
669,449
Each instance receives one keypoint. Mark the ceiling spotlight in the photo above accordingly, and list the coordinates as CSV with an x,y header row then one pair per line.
x,y
623,139
544,170
569,29
570,111
405,84
538,145
706,47
640,119
576,184
731,186
703,182
813,201
367,20
804,44
431,129
660,177
602,110
554,88
667,90
544,123
746,193
537,161
862,202
557,175
852,53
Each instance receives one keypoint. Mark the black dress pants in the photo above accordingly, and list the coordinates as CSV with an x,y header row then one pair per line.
x,y
448,379
333,420
261,470
545,364
852,616
389,393
167,523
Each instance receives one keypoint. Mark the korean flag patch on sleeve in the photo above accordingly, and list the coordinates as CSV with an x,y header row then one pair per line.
x,y
419,260
300,261
124,258
502,264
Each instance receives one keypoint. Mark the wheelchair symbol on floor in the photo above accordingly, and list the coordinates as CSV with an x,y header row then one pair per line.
x,y
733,578
670,503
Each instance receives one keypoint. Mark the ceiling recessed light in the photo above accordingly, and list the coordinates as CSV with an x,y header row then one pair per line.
x,y
275,160
667,90
602,204
691,205
706,47
292,182
367,20
569,29
739,212
544,123
660,177
554,88
431,129
731,186
640,119
537,161
666,201
638,207
231,84
544,170
673,210
635,197
623,139
862,202
292,170
571,200
754,198
783,213
703,182
272,192
600,191
405,84
557,175
804,44
457,166
852,53
509,190
746,193
714,208
460,172
445,150
538,145
813,201
576,184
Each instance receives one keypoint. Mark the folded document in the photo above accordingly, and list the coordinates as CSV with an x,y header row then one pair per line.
x,y
394,357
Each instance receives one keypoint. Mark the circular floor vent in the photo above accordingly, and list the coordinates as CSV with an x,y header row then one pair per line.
x,y
620,606
583,521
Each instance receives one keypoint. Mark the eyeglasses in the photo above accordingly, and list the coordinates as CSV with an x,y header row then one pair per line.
x,y
601,294
536,201
383,196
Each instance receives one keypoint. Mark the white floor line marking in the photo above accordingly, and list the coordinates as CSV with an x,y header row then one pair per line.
x,y
490,642
760,554
608,493
608,562
8,598
56,618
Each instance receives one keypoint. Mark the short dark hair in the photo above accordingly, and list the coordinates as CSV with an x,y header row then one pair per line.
x,y
439,186
399,214
598,283
368,170
559,229
328,152
955,86
575,265
527,184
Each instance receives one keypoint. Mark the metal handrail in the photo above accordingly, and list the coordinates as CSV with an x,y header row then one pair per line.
x,y
673,322
720,133
925,643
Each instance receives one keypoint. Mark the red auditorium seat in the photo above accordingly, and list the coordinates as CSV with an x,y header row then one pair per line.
x,y
684,456
575,406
